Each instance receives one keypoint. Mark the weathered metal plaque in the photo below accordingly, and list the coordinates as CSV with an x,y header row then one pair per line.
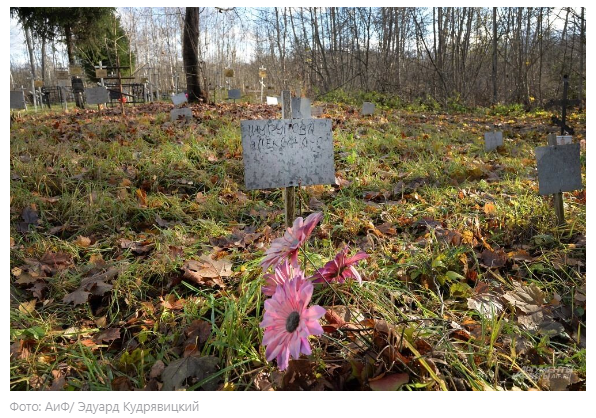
x,y
62,74
229,73
316,111
179,98
272,101
564,139
234,94
492,140
300,108
38,83
368,108
559,169
262,73
97,95
144,80
76,70
100,73
176,114
17,100
287,152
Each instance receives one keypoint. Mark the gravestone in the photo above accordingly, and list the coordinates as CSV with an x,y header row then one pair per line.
x,y
368,108
17,100
179,98
559,169
62,82
272,101
97,95
492,140
234,94
564,139
185,112
300,108
287,152
77,85
316,111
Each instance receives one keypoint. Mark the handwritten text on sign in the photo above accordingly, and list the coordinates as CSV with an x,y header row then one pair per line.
x,y
287,152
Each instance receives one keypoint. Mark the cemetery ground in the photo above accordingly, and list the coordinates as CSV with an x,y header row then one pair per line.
x,y
135,251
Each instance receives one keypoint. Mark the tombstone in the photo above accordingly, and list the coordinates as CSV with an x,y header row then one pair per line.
x,y
62,82
492,140
564,139
175,114
97,95
272,101
368,108
17,100
287,152
559,169
235,94
179,98
316,111
300,108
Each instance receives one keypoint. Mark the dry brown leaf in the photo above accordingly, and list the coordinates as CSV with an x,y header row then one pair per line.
x,y
207,271
109,334
28,308
156,370
77,297
58,261
83,241
490,208
493,259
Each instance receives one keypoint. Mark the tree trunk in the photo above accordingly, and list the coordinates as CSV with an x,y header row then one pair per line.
x,y
190,55
582,41
29,42
494,55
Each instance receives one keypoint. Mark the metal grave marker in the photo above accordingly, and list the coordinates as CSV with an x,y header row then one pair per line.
x,y
492,140
271,101
185,112
17,100
287,152
76,70
564,139
38,83
316,111
101,73
368,108
62,74
300,108
559,169
234,94
179,98
97,95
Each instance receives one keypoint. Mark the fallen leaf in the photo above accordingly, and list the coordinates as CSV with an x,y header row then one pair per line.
x,y
179,371
58,261
157,369
528,299
121,383
207,271
28,308
109,334
172,302
389,382
59,380
490,209
198,331
557,378
137,247
141,197
493,259
83,241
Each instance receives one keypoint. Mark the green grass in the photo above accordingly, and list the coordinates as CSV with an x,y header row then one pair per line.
x,y
110,179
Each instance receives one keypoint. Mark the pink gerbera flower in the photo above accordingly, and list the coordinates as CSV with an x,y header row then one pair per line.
x,y
288,322
288,245
340,268
282,273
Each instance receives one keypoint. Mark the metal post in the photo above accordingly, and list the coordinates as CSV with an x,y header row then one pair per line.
x,y
34,95
289,193
558,202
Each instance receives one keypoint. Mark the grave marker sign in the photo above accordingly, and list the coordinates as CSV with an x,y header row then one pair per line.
x,y
287,152
17,100
185,112
272,101
559,169
234,94
368,108
564,139
97,95
179,98
101,73
300,108
316,111
492,140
